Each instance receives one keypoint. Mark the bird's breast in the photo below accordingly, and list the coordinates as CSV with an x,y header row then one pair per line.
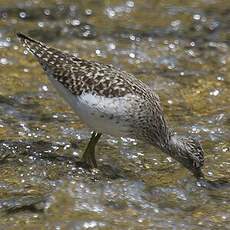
x,y
103,114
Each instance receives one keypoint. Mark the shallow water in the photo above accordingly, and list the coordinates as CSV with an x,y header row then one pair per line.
x,y
181,49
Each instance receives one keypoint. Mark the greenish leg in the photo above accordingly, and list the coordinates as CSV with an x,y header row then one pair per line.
x,y
89,154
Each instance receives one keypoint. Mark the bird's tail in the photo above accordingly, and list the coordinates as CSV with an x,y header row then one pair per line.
x,y
50,58
37,48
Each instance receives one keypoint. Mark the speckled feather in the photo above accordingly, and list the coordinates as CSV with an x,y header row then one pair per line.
x,y
80,76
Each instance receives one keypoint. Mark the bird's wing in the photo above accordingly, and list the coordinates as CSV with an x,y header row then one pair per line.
x,y
79,75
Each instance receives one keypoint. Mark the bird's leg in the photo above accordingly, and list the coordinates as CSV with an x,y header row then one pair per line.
x,y
89,154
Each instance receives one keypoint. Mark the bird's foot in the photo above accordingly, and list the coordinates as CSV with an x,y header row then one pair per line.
x,y
89,160
88,164
88,157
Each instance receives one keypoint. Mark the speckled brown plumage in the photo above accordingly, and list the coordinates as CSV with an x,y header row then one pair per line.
x,y
79,75
112,95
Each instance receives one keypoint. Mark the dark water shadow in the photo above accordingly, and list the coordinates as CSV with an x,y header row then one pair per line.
x,y
23,203
220,183
12,149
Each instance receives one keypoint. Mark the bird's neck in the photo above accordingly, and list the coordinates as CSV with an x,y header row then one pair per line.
x,y
173,145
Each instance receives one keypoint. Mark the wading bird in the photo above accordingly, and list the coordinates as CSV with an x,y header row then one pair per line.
x,y
113,102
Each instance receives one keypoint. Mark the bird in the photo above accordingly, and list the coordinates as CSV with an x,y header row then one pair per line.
x,y
114,102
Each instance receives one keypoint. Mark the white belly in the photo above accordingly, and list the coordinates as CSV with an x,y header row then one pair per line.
x,y
104,115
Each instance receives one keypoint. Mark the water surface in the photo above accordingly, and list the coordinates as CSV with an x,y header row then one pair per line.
x,y
181,49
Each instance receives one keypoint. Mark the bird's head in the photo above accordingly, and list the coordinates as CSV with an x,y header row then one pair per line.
x,y
188,152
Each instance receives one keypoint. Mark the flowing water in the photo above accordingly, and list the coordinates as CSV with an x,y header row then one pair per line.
x,y
182,50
